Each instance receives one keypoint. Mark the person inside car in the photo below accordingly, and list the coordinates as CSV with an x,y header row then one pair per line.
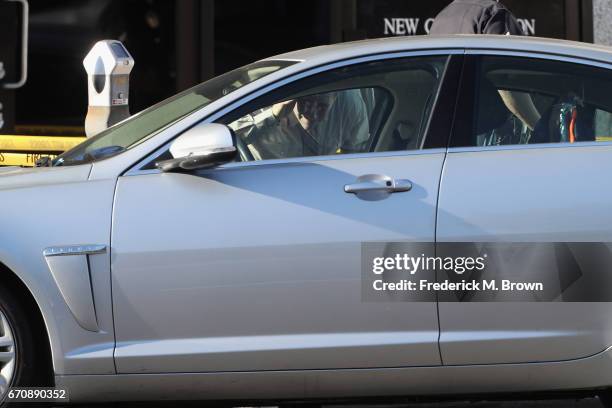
x,y
312,125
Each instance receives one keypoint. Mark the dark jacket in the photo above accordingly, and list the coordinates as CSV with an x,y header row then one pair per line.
x,y
475,17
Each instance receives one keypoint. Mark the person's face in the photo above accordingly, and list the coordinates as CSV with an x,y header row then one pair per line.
x,y
315,108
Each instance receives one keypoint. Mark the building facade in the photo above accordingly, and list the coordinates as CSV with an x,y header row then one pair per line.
x,y
602,15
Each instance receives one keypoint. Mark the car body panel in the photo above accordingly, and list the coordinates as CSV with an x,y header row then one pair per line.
x,y
18,177
264,261
36,215
272,386
535,194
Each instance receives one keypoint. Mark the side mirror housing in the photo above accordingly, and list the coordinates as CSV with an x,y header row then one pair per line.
x,y
203,146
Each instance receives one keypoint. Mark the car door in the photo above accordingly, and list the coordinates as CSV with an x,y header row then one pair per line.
x,y
536,199
255,265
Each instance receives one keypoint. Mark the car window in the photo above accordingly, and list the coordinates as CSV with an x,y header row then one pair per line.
x,y
529,101
377,106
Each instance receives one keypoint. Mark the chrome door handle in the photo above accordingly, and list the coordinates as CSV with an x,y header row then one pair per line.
x,y
373,183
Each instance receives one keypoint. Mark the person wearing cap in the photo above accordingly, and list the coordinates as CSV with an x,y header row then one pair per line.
x,y
475,17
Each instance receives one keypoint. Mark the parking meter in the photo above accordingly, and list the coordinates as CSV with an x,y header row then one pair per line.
x,y
108,65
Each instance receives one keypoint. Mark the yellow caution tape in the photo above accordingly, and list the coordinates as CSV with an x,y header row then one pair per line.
x,y
23,150
22,159
19,143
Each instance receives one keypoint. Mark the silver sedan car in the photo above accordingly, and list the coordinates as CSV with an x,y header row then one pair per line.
x,y
209,247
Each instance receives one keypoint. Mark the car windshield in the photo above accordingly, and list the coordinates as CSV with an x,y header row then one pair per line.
x,y
151,121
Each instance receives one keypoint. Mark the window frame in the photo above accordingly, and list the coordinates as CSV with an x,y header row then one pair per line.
x,y
282,94
463,127
437,132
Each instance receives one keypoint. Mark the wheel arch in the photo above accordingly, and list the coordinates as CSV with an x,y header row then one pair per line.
x,y
20,290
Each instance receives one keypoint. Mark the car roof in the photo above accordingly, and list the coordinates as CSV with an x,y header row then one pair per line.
x,y
326,53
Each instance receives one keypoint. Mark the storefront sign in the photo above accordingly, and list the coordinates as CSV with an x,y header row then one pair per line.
x,y
398,17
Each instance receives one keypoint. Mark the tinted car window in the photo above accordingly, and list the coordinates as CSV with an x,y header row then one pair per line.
x,y
378,106
529,101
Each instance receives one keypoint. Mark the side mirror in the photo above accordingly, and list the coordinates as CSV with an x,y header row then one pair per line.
x,y
203,146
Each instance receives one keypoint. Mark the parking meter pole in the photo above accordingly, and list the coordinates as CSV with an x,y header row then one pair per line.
x,y
108,65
